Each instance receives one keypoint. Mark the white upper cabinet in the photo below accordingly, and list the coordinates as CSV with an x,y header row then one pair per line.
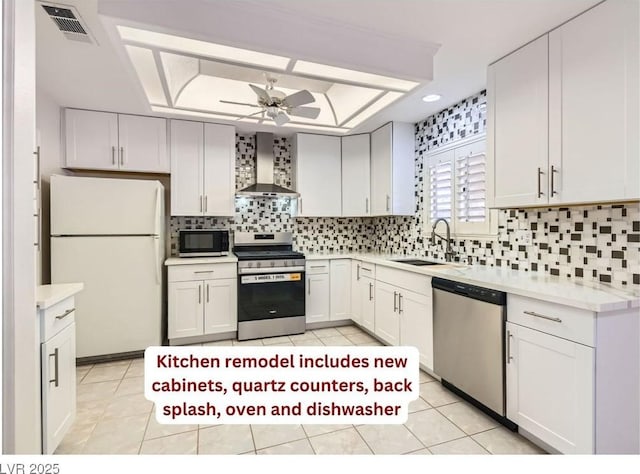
x,y
356,169
115,142
393,170
563,113
91,140
202,169
318,175
593,101
143,144
518,121
187,168
219,170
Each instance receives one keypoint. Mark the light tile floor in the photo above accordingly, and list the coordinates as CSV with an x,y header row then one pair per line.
x,y
114,417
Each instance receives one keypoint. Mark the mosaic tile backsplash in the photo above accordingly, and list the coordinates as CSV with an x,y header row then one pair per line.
x,y
595,243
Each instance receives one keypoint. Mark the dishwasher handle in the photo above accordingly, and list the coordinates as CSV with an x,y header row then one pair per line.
x,y
487,295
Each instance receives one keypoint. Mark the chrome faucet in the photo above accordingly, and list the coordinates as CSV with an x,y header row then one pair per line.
x,y
449,253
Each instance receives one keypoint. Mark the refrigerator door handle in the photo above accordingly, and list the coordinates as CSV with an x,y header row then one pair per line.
x,y
158,263
158,210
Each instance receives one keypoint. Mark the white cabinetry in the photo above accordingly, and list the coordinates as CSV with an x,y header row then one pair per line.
x,y
340,283
393,170
363,293
594,105
58,371
403,311
563,369
202,169
115,142
356,182
202,300
553,137
317,301
318,175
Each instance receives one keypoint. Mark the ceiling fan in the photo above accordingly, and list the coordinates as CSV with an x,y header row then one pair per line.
x,y
278,106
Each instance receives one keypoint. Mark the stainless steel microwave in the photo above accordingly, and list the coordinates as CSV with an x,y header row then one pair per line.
x,y
203,243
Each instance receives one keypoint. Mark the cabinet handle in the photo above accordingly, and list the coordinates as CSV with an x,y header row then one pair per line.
x,y
55,378
38,230
540,173
317,266
66,313
553,172
205,203
199,294
201,203
366,205
122,155
370,291
37,153
538,315
400,310
309,287
113,155
509,356
358,272
207,292
204,271
388,203
365,269
395,304
300,204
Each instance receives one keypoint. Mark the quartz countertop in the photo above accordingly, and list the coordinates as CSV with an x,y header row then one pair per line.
x,y
200,260
591,296
48,295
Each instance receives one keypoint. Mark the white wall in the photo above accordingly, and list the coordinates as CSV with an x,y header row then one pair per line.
x,y
20,344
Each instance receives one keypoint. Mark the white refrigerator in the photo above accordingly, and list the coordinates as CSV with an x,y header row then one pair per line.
x,y
108,234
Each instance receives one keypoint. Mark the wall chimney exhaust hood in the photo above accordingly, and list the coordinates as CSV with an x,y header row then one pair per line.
x,y
265,186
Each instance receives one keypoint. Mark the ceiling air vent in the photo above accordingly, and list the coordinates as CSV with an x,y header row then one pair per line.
x,y
69,22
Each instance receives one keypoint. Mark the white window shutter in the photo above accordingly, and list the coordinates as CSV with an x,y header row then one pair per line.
x,y
441,190
471,189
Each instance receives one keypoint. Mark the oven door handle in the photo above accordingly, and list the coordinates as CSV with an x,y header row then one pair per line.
x,y
258,271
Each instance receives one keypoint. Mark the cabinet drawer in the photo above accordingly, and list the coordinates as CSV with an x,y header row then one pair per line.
x,y
315,267
56,317
403,279
566,322
365,269
202,271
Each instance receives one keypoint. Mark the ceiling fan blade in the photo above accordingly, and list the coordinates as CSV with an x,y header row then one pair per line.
x,y
261,93
306,112
238,103
251,115
298,98
280,119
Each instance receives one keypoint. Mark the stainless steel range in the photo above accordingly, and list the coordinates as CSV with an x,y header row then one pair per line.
x,y
271,285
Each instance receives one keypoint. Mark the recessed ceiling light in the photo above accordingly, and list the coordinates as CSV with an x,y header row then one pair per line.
x,y
431,97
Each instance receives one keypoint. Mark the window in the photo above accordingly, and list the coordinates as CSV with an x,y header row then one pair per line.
x,y
457,188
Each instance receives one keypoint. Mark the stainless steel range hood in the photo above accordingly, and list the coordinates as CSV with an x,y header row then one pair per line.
x,y
264,171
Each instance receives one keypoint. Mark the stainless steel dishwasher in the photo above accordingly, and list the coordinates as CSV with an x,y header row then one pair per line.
x,y
468,344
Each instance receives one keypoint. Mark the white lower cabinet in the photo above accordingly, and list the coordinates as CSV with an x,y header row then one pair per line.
x,y
416,325
362,294
550,388
387,321
340,283
356,301
317,301
199,307
367,302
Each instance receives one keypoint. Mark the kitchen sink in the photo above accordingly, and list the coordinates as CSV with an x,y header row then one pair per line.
x,y
418,263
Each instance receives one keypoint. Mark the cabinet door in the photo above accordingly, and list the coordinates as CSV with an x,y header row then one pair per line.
x,y
58,357
381,179
518,95
187,158
319,182
356,158
91,140
593,80
550,388
368,299
143,144
221,302
219,170
416,324
186,309
356,298
340,284
387,323
317,300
